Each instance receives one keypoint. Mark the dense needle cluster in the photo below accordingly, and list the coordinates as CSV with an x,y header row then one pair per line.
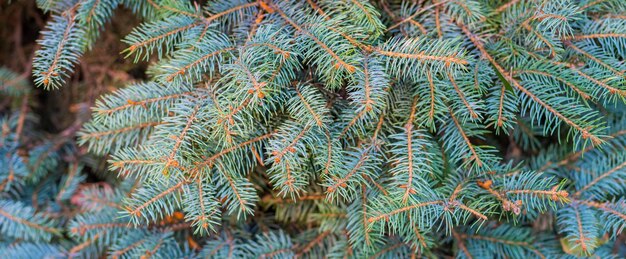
x,y
339,128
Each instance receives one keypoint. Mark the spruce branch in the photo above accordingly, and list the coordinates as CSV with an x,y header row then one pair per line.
x,y
61,49
584,132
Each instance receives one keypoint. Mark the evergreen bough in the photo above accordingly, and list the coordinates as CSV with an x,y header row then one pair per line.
x,y
348,128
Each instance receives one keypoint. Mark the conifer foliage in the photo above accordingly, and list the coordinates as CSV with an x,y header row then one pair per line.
x,y
339,128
